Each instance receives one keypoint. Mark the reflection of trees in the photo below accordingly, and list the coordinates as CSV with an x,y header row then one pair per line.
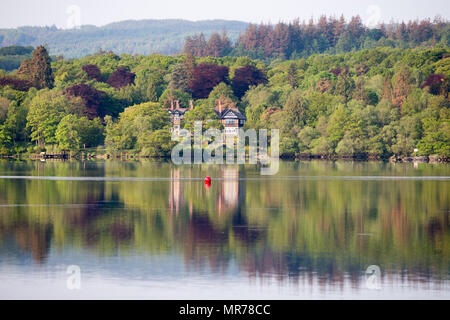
x,y
203,242
36,239
295,230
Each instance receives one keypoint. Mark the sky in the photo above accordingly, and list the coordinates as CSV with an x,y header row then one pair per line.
x,y
70,13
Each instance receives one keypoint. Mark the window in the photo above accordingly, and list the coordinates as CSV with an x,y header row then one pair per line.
x,y
230,121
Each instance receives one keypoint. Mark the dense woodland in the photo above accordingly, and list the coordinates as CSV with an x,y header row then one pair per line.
x,y
374,102
131,36
12,56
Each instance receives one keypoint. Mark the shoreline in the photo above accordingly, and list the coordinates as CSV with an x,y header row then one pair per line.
x,y
126,157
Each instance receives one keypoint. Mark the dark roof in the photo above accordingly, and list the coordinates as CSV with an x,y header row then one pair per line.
x,y
230,113
178,111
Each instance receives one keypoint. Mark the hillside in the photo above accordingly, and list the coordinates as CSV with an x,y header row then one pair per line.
x,y
372,103
132,36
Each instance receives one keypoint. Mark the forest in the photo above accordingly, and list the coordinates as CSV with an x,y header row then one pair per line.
x,y
295,40
365,103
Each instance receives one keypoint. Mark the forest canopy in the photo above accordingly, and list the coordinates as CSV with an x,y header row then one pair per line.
x,y
368,102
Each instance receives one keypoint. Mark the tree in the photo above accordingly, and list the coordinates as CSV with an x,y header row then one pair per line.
x,y
46,110
4,105
292,75
337,124
402,85
75,132
204,112
222,92
179,78
93,99
67,135
38,69
93,72
181,74
15,83
156,144
360,92
344,85
245,77
437,84
346,147
171,96
214,46
408,131
143,128
436,135
295,109
205,77
121,78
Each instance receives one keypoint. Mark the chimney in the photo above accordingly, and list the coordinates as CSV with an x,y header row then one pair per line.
x,y
171,104
178,104
191,104
220,107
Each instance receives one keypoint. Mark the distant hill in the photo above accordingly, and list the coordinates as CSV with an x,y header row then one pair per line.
x,y
131,36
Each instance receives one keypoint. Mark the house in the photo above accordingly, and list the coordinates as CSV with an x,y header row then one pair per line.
x,y
231,118
177,115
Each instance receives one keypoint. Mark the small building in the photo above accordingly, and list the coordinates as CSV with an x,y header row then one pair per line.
x,y
231,118
177,115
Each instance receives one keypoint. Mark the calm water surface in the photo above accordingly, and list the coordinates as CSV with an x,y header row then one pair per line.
x,y
152,230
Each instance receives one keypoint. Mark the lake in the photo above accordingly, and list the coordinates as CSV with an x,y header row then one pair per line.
x,y
153,230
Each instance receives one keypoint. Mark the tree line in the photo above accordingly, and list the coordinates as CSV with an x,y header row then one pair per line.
x,y
326,35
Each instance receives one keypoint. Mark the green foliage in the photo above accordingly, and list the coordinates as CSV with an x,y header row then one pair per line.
x,y
372,102
74,133
203,112
46,110
143,128
12,56
170,96
436,136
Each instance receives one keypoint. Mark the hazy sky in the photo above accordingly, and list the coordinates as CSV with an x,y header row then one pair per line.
x,y
63,13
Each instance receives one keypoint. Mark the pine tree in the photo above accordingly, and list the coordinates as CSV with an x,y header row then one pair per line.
x,y
38,69
292,75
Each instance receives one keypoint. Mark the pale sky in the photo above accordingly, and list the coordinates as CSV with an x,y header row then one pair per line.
x,y
62,13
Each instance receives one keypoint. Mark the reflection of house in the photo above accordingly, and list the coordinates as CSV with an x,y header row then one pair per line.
x,y
230,186
176,191
229,191
231,118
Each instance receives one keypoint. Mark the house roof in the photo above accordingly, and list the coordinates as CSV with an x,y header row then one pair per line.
x,y
229,113
180,111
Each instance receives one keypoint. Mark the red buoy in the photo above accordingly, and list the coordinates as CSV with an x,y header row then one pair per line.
x,y
208,180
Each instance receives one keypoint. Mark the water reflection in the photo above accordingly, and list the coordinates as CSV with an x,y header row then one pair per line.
x,y
316,232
